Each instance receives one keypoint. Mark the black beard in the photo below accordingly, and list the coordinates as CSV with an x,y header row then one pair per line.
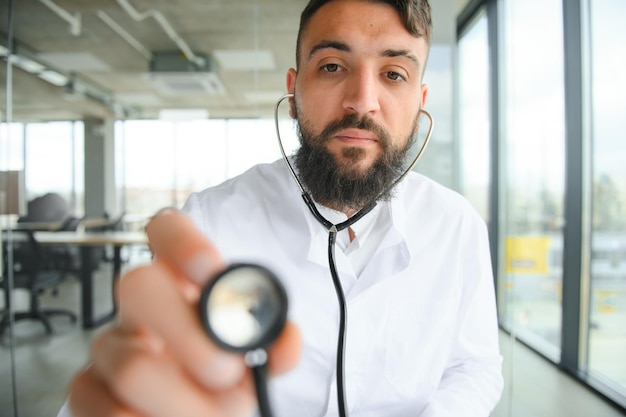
x,y
342,186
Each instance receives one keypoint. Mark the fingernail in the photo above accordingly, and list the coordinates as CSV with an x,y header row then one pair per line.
x,y
164,210
199,268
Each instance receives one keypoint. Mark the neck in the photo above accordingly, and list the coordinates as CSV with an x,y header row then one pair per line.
x,y
349,212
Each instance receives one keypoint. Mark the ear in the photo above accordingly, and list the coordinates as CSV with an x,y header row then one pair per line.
x,y
291,88
423,95
422,99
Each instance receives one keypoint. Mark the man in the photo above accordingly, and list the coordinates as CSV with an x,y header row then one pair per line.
x,y
422,334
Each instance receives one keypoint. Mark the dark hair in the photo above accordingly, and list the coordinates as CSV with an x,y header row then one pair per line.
x,y
414,13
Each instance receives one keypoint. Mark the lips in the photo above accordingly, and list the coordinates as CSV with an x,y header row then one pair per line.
x,y
356,135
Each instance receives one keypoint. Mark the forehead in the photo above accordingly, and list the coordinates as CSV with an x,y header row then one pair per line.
x,y
370,26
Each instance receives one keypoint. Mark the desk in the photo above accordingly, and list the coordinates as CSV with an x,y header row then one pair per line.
x,y
87,241
35,226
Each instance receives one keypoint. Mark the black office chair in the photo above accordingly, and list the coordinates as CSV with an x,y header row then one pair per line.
x,y
35,270
68,254
111,225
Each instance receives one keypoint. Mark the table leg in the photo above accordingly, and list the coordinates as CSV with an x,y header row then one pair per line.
x,y
86,287
117,271
87,292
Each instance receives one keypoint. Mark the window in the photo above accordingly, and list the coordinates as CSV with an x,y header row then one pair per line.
x,y
607,303
533,142
51,154
474,116
189,156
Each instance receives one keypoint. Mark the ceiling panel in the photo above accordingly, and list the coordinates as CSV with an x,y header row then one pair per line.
x,y
117,74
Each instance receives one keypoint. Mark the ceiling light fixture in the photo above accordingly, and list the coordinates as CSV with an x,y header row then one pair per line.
x,y
165,25
22,58
74,20
124,34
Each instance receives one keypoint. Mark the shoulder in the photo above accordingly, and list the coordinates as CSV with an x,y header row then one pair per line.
x,y
424,199
261,177
419,189
246,192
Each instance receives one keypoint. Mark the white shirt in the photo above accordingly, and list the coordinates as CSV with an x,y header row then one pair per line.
x,y
422,328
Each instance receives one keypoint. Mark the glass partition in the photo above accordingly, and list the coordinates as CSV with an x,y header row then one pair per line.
x,y
474,115
189,156
11,162
54,154
533,144
184,156
607,302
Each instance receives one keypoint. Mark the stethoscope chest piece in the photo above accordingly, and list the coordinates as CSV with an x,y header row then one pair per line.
x,y
244,308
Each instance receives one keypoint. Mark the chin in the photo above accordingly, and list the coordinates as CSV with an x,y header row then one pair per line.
x,y
357,156
355,169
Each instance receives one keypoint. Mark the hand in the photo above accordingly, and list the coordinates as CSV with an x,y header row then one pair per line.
x,y
157,360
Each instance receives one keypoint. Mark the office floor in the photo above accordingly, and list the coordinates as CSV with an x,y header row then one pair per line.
x,y
45,364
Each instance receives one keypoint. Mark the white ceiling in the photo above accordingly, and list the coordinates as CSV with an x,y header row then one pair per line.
x,y
250,42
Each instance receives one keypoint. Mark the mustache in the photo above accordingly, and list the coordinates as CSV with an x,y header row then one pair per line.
x,y
356,122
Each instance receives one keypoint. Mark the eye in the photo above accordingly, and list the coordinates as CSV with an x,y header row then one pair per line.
x,y
394,76
331,68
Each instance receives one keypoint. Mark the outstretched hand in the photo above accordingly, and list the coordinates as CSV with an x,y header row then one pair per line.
x,y
157,360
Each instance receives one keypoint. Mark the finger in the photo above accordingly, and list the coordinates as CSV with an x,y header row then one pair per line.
x,y
285,351
89,397
150,301
150,380
176,241
283,356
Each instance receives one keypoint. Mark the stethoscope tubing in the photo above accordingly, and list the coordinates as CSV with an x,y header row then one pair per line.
x,y
333,229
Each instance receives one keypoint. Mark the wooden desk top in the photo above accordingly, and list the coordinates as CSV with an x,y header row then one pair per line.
x,y
115,238
37,226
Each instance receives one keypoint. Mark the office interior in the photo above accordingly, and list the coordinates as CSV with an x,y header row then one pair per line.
x,y
123,107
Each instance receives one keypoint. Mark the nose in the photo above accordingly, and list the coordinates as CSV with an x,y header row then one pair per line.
x,y
361,92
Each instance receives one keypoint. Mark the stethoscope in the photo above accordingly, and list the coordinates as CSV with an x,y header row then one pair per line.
x,y
244,308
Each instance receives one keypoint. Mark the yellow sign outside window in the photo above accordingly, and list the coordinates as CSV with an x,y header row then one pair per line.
x,y
527,255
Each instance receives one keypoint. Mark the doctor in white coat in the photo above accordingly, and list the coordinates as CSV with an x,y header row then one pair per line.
x,y
421,337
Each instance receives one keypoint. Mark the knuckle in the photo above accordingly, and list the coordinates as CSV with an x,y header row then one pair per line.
x,y
133,279
123,360
131,374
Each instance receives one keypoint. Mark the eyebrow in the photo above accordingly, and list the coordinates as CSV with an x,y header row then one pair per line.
x,y
341,46
391,53
327,44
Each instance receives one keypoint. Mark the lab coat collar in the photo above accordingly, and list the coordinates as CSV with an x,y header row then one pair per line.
x,y
391,262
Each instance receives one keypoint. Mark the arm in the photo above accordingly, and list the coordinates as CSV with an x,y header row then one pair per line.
x,y
472,382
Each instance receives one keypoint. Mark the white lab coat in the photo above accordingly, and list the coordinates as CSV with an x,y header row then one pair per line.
x,y
422,328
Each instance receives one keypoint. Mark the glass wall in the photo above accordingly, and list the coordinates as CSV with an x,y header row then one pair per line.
x,y
542,178
62,173
607,303
11,146
189,156
51,156
533,141
474,115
